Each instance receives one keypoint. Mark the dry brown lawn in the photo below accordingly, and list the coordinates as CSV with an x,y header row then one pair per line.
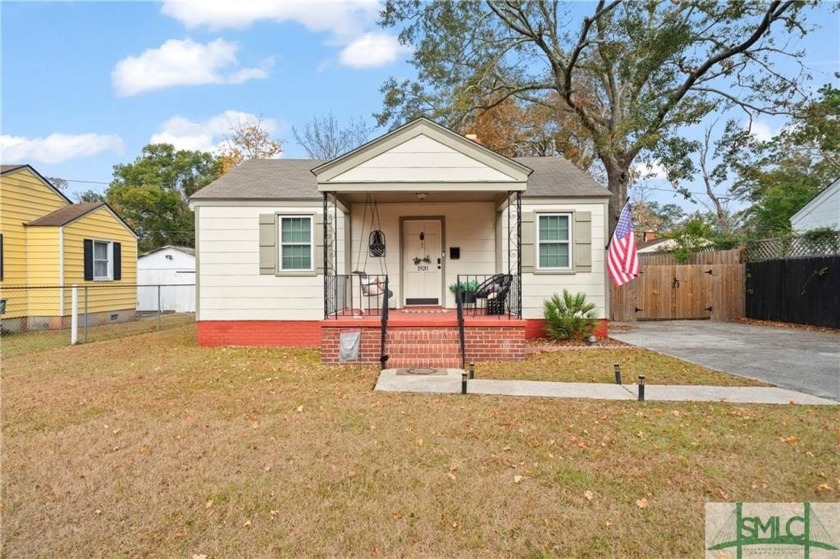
x,y
153,447
569,364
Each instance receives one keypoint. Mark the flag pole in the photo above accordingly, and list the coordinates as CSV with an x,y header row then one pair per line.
x,y
626,203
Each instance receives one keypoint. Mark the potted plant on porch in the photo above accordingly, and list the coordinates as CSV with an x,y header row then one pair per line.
x,y
468,288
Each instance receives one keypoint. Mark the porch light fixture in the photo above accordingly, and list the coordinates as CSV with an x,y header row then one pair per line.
x,y
421,195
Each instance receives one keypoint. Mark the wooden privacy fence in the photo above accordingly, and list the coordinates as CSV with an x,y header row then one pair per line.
x,y
799,290
711,287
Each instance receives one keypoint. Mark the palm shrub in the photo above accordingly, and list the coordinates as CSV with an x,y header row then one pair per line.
x,y
569,318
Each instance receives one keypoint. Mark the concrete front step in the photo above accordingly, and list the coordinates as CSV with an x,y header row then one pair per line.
x,y
407,362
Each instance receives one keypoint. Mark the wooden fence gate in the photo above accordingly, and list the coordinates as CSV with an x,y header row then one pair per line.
x,y
670,291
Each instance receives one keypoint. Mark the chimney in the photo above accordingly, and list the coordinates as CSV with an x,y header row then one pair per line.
x,y
649,236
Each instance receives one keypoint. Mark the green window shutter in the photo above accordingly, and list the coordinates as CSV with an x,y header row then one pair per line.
x,y
527,241
583,242
268,244
318,223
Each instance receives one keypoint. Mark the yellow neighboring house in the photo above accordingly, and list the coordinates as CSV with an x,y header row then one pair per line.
x,y
48,244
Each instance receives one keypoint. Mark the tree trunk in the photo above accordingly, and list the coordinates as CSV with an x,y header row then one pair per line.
x,y
618,179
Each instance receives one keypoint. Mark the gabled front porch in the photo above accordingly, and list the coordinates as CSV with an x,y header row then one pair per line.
x,y
421,249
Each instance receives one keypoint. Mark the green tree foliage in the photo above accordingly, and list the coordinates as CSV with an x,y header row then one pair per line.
x,y
780,176
151,193
89,195
571,317
691,236
632,73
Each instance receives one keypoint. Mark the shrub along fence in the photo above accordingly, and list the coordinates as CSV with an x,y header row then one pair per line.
x,y
798,290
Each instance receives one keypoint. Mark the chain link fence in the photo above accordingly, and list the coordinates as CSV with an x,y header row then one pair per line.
x,y
35,318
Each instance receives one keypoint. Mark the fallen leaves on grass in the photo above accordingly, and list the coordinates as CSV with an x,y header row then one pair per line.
x,y
642,503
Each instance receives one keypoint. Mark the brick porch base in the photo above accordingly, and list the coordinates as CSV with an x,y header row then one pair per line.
x,y
416,340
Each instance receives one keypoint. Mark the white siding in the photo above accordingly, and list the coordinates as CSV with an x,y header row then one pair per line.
x,y
231,287
422,159
537,287
176,276
468,225
823,211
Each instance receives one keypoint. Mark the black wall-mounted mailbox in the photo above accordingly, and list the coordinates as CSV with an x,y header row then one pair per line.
x,y
454,253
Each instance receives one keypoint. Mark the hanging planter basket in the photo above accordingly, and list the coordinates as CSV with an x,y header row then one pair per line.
x,y
376,243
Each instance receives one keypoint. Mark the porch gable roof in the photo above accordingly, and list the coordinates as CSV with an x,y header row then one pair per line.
x,y
421,155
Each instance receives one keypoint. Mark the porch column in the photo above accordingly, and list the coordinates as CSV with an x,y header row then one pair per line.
x,y
329,235
514,215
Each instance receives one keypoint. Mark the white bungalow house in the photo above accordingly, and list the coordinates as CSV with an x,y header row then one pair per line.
x,y
294,252
823,210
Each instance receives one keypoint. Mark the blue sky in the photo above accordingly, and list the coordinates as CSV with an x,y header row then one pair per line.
x,y
86,85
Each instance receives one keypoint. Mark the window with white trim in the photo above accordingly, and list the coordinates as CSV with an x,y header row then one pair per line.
x,y
296,243
102,260
554,242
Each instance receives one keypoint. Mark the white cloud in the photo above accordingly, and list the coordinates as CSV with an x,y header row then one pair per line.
x,y
57,148
761,131
184,62
372,50
650,170
342,19
209,134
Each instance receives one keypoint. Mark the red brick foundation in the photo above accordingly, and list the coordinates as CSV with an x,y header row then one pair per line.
x,y
259,333
432,344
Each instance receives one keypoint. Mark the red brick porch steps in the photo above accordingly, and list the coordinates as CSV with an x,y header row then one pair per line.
x,y
429,340
423,347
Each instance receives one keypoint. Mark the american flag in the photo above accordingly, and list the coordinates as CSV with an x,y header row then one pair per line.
x,y
622,260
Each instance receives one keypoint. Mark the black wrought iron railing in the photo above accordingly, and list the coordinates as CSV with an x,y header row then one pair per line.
x,y
459,308
383,357
356,294
490,294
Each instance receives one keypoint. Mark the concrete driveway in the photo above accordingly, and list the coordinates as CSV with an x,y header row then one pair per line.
x,y
800,360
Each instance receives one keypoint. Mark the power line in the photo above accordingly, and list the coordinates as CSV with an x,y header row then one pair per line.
x,y
83,182
674,191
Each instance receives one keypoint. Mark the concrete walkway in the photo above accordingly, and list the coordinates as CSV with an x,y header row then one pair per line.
x,y
448,381
802,360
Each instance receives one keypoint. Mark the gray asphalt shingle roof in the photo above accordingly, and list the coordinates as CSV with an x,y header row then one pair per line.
x,y
65,215
293,179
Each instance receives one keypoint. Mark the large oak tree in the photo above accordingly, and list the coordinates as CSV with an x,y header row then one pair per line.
x,y
634,73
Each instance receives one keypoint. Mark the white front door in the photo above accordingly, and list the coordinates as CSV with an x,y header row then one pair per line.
x,y
422,262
